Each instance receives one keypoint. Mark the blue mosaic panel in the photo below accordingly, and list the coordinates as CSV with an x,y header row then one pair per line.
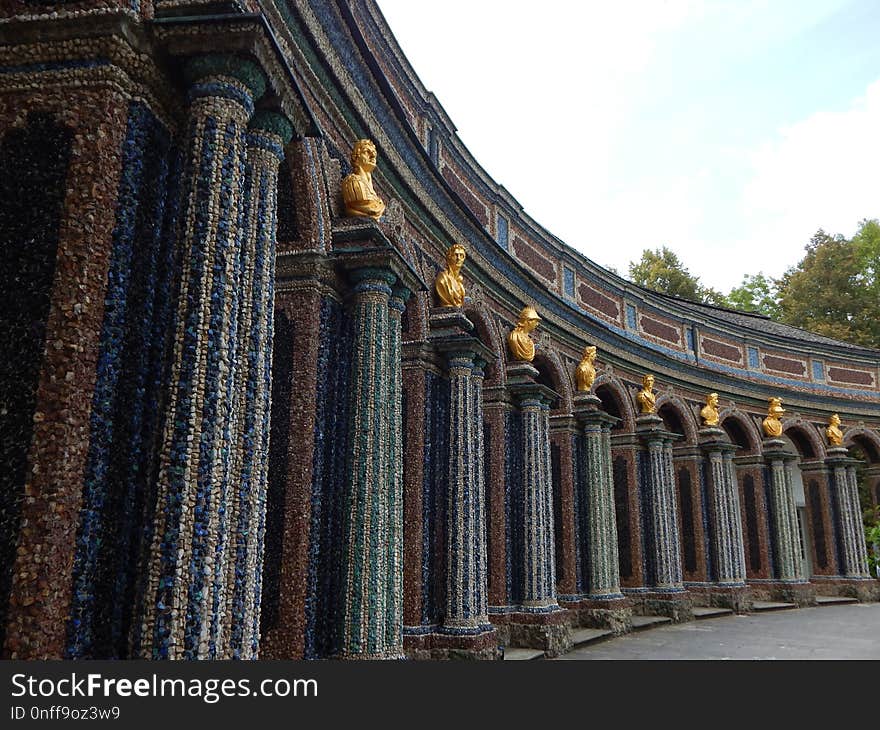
x,y
631,322
754,360
818,370
689,336
434,146
568,281
503,233
324,591
513,506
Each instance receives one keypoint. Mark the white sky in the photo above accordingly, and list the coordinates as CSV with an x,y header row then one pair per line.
x,y
729,131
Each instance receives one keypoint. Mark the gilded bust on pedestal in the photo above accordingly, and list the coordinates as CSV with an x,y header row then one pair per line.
x,y
357,188
449,284
646,399
521,346
709,412
585,373
833,432
772,425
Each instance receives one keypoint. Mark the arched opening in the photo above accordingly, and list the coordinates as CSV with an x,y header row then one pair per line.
x,y
611,404
748,471
672,419
809,501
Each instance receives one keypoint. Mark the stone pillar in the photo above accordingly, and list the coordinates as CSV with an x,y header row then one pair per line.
x,y
466,607
665,592
786,540
728,552
848,514
371,610
596,492
188,543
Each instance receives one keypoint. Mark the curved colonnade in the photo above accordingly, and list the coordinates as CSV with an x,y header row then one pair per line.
x,y
413,489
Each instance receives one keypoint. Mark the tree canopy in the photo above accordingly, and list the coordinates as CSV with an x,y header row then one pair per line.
x,y
833,291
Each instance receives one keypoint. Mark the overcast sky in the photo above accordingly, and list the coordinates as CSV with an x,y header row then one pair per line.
x,y
729,131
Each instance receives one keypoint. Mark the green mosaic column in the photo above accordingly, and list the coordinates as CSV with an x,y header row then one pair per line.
x,y
539,559
850,527
466,610
596,493
734,516
187,547
786,540
369,600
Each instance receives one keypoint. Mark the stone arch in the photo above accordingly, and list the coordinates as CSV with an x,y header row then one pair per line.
x,y
617,390
486,329
685,415
745,424
549,364
805,438
868,440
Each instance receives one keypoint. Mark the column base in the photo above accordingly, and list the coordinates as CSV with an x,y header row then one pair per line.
x,y
548,630
675,604
483,644
738,598
866,590
800,592
613,613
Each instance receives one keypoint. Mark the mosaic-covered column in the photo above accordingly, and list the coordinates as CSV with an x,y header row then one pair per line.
x,y
783,511
466,606
596,497
539,570
238,582
848,514
728,552
659,506
371,610
187,545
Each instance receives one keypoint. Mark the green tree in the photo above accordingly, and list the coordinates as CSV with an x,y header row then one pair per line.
x,y
661,270
757,293
833,291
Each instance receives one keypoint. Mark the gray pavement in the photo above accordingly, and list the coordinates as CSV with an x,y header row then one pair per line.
x,y
826,632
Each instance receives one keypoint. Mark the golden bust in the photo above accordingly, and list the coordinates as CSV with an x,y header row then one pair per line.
x,y
709,412
772,425
449,285
586,372
357,188
646,399
521,346
833,432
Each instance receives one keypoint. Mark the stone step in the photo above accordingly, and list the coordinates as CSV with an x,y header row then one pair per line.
x,y
582,637
771,606
515,654
711,611
646,622
834,600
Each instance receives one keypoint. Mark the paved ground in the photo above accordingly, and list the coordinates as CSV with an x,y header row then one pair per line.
x,y
827,632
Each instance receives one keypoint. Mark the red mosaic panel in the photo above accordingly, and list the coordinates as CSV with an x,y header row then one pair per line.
x,y
722,350
658,329
858,377
470,200
784,365
533,259
598,301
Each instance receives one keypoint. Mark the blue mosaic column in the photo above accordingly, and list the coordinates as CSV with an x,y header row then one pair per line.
x,y
786,541
540,554
394,540
235,630
370,602
664,551
848,514
728,552
466,605
596,493
186,553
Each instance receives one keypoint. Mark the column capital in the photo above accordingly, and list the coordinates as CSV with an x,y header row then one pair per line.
x,y
370,278
226,76
269,131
